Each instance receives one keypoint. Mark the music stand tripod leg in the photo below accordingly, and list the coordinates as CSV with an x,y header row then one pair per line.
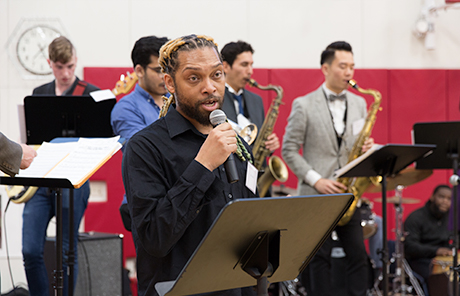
x,y
71,251
58,272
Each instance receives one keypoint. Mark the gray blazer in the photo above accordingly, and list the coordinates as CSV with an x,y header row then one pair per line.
x,y
10,156
310,128
253,105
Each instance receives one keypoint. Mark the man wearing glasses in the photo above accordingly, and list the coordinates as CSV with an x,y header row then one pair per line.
x,y
142,106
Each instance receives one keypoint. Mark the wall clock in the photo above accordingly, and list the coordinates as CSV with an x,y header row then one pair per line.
x,y
32,48
28,46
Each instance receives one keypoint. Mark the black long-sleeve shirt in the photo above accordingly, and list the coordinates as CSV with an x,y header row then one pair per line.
x,y
425,233
172,198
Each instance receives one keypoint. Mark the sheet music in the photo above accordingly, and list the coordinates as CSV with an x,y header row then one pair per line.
x,y
356,161
48,156
85,159
75,161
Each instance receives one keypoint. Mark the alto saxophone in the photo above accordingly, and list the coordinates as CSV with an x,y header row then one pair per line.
x,y
358,185
277,169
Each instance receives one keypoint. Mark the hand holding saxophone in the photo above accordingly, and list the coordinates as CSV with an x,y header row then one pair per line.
x,y
326,186
272,142
368,144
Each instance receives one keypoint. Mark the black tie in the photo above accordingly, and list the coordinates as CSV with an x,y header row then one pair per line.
x,y
239,98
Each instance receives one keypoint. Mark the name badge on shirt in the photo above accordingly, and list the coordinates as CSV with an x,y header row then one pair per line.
x,y
251,177
358,126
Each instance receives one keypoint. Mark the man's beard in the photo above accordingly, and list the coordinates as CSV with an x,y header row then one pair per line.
x,y
194,111
436,211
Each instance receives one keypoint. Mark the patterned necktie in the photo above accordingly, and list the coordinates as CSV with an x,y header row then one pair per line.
x,y
333,97
239,99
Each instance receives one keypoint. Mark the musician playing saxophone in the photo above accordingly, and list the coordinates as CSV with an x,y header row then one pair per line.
x,y
240,105
325,124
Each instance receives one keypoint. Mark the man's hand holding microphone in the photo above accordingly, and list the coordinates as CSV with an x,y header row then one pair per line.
x,y
219,146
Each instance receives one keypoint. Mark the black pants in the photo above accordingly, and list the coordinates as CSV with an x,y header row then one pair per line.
x,y
317,278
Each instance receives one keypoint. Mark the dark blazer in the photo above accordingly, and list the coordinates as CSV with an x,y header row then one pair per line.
x,y
49,88
253,106
10,156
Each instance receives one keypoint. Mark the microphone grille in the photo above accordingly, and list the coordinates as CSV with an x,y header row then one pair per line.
x,y
217,117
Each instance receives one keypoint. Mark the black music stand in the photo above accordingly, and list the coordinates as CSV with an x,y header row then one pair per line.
x,y
58,184
446,136
386,161
49,117
256,240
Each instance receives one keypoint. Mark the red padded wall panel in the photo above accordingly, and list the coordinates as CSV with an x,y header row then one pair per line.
x,y
408,96
453,95
416,96
105,78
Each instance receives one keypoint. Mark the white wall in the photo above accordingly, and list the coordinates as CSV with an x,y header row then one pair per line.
x,y
284,33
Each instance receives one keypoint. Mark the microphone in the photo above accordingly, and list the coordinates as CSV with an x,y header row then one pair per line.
x,y
217,117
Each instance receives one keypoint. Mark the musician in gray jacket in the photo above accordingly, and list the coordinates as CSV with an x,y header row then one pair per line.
x,y
14,156
325,124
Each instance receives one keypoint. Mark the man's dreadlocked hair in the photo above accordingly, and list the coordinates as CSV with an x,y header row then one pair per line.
x,y
169,62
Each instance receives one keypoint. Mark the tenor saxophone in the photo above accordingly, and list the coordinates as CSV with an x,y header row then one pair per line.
x,y
277,169
358,185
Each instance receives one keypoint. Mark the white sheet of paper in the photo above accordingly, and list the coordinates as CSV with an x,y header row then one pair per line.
x,y
357,126
83,159
74,161
251,177
48,156
103,94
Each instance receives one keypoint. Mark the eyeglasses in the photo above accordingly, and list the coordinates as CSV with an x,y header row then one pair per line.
x,y
156,69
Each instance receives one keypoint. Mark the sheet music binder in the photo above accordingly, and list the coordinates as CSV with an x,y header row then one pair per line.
x,y
304,223
49,117
388,160
446,136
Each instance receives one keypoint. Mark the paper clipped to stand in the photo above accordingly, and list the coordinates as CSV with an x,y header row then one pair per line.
x,y
75,161
356,161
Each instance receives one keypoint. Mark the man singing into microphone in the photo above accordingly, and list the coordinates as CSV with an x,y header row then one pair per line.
x,y
173,170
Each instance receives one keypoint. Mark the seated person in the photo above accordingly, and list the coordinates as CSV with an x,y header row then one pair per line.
x,y
427,232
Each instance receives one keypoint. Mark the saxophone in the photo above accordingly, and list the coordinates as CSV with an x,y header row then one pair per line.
x,y
277,169
358,185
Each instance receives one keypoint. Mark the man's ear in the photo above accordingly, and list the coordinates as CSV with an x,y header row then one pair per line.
x,y
227,66
325,69
140,72
169,83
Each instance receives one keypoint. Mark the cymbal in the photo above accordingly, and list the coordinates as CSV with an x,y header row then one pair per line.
x,y
405,177
395,200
